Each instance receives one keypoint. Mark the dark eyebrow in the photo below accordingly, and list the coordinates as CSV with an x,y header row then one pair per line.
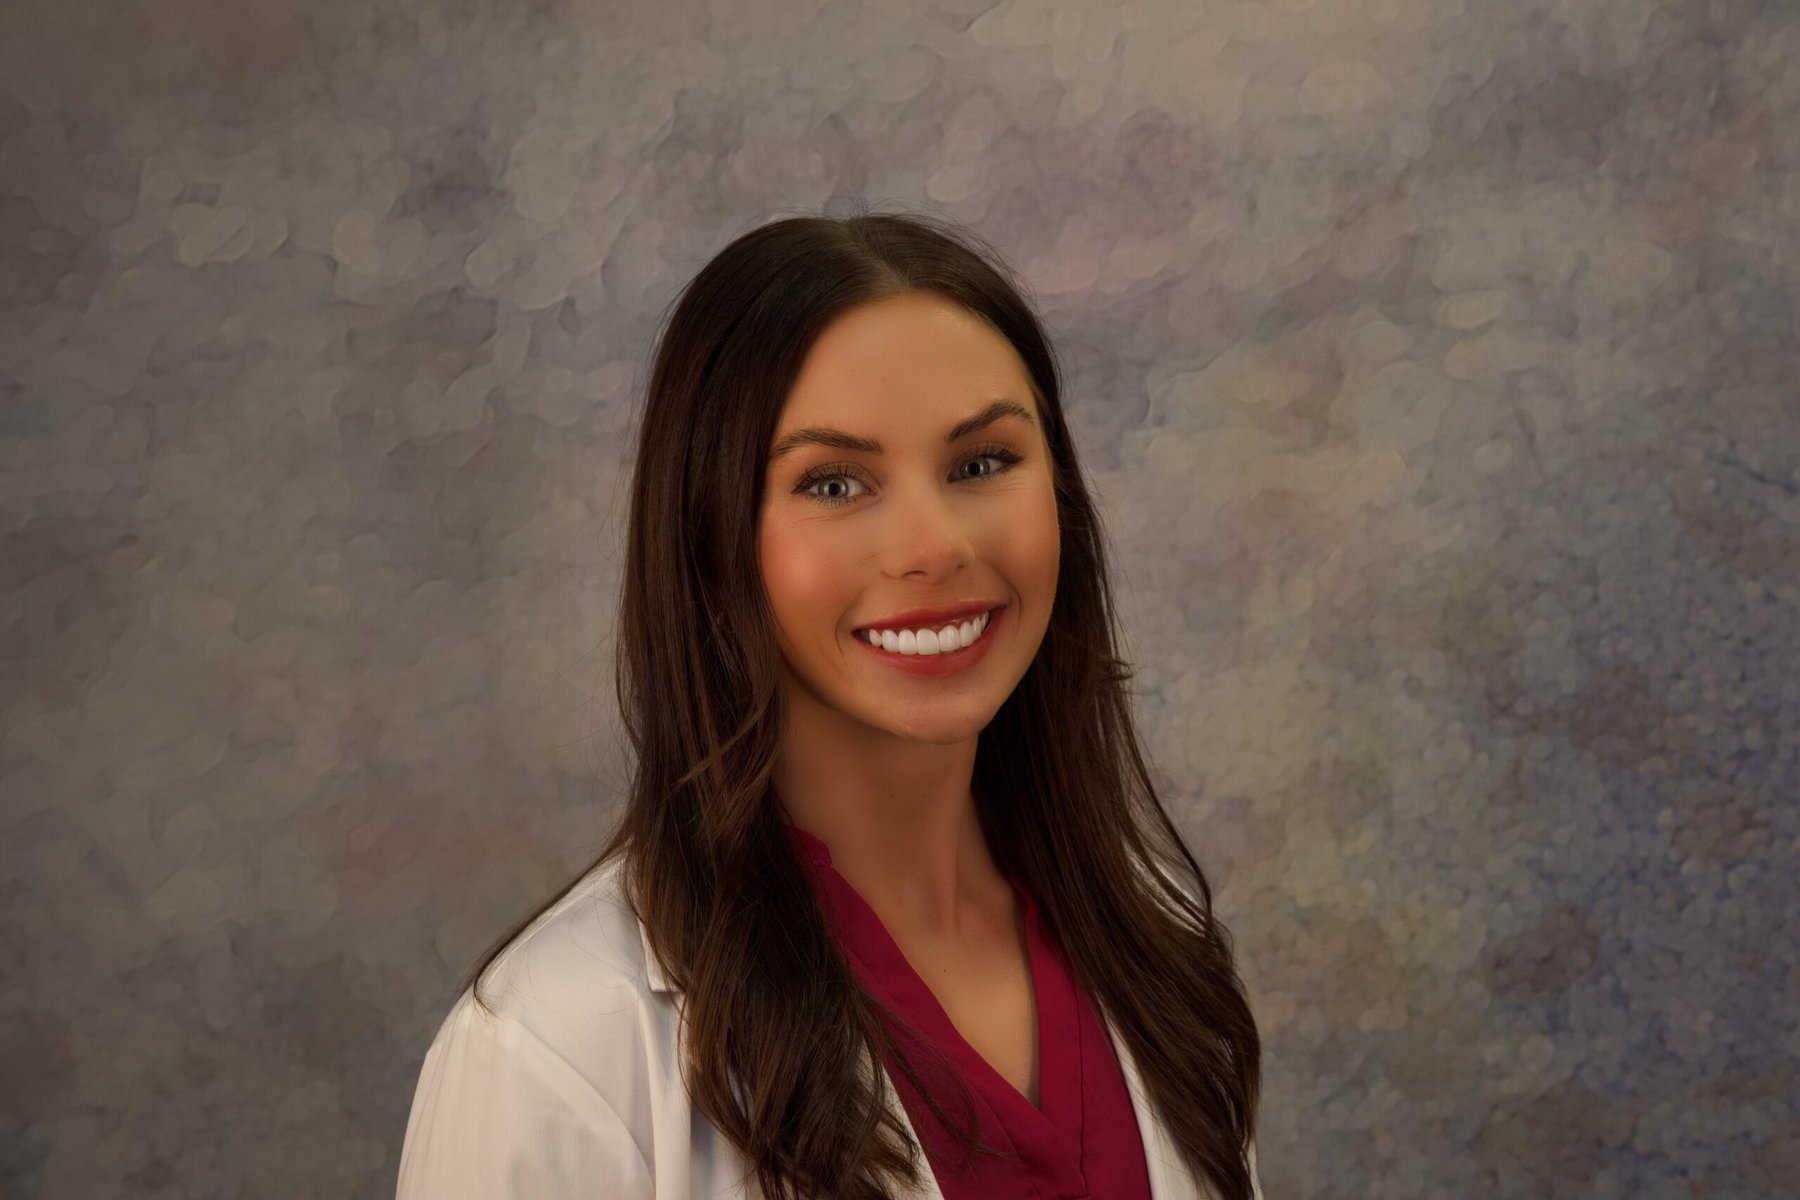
x,y
837,439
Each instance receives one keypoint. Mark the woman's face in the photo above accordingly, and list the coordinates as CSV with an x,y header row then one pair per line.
x,y
854,537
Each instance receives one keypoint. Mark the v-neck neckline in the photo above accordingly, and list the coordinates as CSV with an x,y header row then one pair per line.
x,y
1057,1115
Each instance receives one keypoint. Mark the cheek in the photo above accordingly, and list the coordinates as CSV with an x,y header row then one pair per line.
x,y
1033,544
803,578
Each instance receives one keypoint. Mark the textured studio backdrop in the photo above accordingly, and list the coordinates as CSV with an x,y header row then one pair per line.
x,y
1435,362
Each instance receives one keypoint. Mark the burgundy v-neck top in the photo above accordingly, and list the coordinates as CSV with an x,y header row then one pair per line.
x,y
1080,1140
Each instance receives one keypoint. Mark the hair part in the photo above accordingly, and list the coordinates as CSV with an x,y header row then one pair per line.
x,y
781,1047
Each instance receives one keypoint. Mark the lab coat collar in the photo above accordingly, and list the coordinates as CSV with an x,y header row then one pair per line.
x,y
659,982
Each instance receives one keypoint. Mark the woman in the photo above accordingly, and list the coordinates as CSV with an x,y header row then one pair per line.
x,y
892,873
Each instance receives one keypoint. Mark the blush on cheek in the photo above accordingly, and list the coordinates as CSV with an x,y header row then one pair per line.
x,y
809,585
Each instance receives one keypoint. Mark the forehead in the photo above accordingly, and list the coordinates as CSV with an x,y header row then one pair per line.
x,y
916,355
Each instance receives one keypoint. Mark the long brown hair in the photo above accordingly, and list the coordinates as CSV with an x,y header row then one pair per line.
x,y
781,1044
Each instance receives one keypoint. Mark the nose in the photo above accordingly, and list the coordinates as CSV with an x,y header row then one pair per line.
x,y
929,534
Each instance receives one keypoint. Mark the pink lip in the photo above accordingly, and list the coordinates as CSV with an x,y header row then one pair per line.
x,y
930,618
940,664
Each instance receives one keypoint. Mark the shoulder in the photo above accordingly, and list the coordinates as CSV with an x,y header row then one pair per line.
x,y
582,959
544,1077
573,985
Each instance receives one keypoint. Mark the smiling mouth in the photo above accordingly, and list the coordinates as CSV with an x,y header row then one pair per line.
x,y
925,643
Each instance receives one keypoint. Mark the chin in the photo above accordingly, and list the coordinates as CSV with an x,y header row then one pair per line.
x,y
938,729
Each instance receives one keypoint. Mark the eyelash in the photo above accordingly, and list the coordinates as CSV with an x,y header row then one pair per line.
x,y
819,475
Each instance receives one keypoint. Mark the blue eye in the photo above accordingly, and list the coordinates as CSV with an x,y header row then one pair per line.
x,y
850,473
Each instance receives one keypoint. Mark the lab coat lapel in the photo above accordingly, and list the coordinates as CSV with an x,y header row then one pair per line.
x,y
928,1189
660,982
1169,1175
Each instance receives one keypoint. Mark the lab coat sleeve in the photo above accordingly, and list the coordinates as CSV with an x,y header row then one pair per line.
x,y
499,1115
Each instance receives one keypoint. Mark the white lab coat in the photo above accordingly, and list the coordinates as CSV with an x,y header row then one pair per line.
x,y
572,1087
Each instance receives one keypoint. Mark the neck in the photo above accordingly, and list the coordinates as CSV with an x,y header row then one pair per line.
x,y
899,818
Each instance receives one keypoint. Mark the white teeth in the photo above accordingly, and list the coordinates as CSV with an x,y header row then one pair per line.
x,y
927,641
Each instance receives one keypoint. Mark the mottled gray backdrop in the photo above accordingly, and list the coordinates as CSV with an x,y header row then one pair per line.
x,y
1435,362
